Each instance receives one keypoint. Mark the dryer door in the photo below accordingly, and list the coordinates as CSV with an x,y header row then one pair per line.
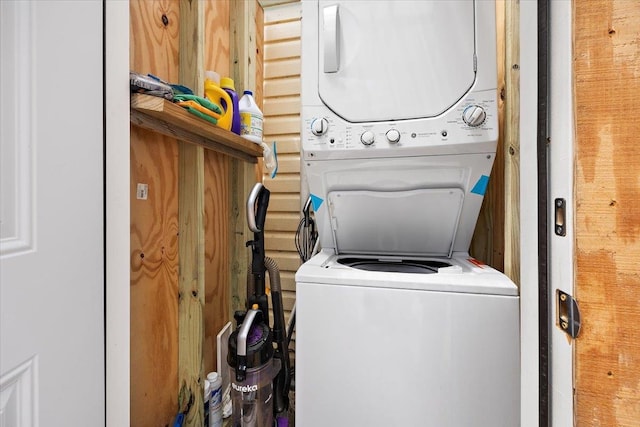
x,y
400,59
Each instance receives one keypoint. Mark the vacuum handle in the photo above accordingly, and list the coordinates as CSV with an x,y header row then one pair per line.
x,y
243,334
255,217
244,331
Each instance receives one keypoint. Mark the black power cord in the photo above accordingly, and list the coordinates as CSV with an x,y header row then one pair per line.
x,y
306,234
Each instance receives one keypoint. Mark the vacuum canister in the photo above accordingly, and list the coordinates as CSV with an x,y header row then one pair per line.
x,y
252,370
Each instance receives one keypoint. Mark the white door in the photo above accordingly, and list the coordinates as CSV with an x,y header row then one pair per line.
x,y
52,224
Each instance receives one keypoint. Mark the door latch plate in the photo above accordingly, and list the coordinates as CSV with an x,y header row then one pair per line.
x,y
568,314
560,226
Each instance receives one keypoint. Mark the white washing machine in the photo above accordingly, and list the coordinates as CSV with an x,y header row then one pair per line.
x,y
422,342
396,324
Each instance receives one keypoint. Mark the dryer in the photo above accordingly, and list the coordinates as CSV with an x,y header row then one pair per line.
x,y
396,324
398,96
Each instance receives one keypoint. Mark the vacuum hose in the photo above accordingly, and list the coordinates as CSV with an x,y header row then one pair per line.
x,y
274,275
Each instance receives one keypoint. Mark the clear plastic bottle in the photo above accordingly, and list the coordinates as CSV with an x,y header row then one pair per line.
x,y
251,118
215,399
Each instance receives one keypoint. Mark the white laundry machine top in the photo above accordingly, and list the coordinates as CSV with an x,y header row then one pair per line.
x,y
460,273
399,122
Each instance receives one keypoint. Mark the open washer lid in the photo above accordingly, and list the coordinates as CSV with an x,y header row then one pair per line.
x,y
423,221
362,43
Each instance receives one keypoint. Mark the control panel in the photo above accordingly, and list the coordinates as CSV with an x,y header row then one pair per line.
x,y
473,120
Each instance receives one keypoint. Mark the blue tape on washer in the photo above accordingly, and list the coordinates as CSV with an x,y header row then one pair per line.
x,y
481,186
316,201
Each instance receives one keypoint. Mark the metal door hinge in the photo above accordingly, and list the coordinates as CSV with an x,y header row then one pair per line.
x,y
568,314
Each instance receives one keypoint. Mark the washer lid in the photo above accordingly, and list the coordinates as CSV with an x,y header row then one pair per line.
x,y
395,60
423,221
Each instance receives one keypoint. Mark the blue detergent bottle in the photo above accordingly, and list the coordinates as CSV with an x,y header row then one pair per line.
x,y
227,84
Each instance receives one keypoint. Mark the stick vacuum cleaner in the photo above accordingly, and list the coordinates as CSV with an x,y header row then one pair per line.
x,y
258,356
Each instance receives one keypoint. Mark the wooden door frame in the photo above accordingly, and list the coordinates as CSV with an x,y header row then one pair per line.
x,y
117,205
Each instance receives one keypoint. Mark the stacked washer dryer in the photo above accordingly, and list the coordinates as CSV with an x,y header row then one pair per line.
x,y
396,324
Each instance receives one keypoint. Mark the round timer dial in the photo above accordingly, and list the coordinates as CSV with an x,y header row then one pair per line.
x,y
319,126
474,115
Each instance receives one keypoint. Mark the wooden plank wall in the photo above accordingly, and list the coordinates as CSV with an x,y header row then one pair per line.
x,y
607,184
154,222
281,107
154,229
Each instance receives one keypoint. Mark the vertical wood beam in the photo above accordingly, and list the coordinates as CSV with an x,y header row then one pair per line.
x,y
191,226
191,281
488,238
191,47
243,175
512,142
243,44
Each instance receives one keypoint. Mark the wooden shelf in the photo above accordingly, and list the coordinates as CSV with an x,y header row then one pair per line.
x,y
167,118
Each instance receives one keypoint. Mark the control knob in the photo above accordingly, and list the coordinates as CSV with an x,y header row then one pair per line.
x,y
393,136
367,137
474,115
319,126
